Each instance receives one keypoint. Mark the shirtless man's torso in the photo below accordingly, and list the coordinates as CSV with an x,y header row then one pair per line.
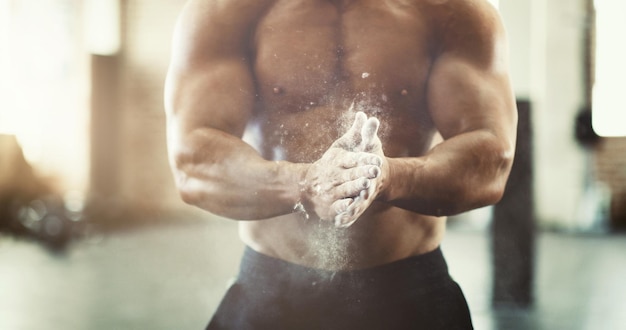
x,y
259,89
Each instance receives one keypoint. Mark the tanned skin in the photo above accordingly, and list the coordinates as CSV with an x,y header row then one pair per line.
x,y
262,99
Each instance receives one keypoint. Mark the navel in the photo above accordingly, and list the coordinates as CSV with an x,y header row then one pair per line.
x,y
277,90
404,92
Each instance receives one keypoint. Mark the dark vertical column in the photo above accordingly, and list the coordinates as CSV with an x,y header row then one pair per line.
x,y
514,225
105,126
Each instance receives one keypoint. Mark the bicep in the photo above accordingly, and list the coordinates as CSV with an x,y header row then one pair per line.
x,y
218,94
465,97
209,82
469,87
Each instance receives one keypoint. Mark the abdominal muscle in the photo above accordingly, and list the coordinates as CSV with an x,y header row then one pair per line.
x,y
377,238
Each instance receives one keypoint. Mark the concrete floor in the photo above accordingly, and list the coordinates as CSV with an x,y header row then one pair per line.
x,y
173,276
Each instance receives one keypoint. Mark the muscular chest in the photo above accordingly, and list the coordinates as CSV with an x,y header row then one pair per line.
x,y
315,53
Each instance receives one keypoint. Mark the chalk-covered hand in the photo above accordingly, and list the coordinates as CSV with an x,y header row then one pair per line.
x,y
370,144
335,181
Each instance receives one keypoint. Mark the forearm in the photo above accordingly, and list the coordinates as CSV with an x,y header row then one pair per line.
x,y
222,174
463,173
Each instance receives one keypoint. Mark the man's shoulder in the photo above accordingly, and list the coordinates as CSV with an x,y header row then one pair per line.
x,y
236,4
238,10
463,11
463,23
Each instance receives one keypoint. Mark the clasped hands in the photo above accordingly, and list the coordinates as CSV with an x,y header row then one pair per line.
x,y
348,177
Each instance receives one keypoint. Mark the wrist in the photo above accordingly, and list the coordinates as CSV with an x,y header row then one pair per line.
x,y
386,180
301,198
292,177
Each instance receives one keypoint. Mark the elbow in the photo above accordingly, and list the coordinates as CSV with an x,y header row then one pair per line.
x,y
488,188
492,194
208,195
196,179
187,196
184,187
180,163
500,176
197,193
471,197
182,168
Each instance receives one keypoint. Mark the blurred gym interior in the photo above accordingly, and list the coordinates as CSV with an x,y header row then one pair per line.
x,y
93,234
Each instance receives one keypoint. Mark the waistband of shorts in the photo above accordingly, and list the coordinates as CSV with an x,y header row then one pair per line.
x,y
425,268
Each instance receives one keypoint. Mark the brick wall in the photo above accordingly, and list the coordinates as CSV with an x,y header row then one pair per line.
x,y
610,162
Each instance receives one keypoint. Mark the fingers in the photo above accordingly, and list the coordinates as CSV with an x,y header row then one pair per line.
x,y
365,158
354,159
349,216
342,205
369,133
356,173
348,210
362,136
359,120
353,188
352,137
344,220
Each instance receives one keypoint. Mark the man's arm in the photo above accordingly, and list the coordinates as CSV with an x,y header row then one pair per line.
x,y
209,97
471,102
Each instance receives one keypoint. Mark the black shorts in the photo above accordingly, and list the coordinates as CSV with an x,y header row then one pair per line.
x,y
414,293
